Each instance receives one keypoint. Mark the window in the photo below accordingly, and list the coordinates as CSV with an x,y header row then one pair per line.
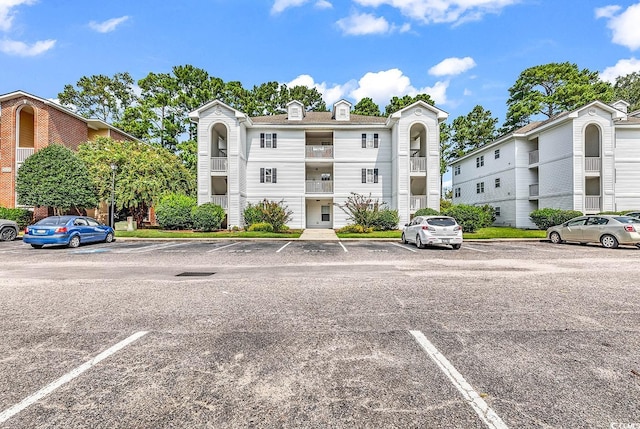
x,y
497,181
480,161
325,213
369,140
496,211
369,175
456,170
496,153
457,193
268,140
480,188
268,175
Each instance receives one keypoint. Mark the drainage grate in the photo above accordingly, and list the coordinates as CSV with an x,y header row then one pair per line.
x,y
195,274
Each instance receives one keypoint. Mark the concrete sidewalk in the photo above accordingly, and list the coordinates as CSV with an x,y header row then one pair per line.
x,y
319,234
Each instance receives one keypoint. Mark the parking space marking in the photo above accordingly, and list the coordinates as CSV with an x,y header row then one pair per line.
x,y
486,413
151,247
223,247
282,248
474,249
343,248
404,247
29,400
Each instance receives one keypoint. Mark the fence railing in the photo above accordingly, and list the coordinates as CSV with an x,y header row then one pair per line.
x,y
418,163
220,200
417,202
534,157
318,151
534,190
319,186
23,153
592,203
592,164
219,164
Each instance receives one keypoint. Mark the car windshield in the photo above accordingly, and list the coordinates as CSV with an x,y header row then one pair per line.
x,y
627,219
441,221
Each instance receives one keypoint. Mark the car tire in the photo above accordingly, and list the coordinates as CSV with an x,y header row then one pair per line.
x,y
37,246
109,237
419,244
403,239
74,241
8,234
555,238
609,241
456,246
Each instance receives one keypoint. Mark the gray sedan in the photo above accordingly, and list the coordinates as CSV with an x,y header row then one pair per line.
x,y
608,230
8,230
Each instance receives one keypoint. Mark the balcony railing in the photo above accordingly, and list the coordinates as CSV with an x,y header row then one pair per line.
x,y
592,164
592,203
534,190
418,163
534,157
23,153
220,200
318,151
219,164
319,186
417,202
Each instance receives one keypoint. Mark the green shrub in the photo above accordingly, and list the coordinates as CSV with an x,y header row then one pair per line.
x,y
23,217
385,220
548,217
271,212
252,214
368,212
354,229
174,211
470,218
261,226
426,212
207,217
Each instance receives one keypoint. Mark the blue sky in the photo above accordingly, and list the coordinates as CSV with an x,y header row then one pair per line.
x,y
461,52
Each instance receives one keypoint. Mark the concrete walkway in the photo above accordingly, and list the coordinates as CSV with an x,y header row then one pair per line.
x,y
319,234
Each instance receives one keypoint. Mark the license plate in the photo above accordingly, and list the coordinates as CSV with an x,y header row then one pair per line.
x,y
41,231
445,240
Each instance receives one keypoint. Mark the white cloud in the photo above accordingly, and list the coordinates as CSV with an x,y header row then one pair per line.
x,y
359,24
330,93
622,68
440,11
452,66
7,14
108,25
323,4
21,49
281,5
624,26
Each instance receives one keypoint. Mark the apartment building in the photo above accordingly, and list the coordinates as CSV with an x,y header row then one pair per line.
x,y
313,161
586,160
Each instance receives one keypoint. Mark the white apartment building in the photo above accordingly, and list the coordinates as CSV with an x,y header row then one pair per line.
x,y
314,160
586,160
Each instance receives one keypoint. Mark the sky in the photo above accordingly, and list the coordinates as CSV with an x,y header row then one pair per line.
x,y
462,53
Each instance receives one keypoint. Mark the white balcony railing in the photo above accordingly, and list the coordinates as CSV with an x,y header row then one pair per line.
x,y
219,164
418,163
534,190
318,151
592,203
23,153
417,202
220,200
592,164
534,157
319,186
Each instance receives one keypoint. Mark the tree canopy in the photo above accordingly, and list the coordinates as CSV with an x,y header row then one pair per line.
x,y
627,88
398,103
366,107
55,177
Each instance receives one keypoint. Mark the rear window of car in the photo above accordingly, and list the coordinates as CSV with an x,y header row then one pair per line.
x,y
627,219
441,221
49,221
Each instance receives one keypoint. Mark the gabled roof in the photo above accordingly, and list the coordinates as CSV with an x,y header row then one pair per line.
x,y
194,116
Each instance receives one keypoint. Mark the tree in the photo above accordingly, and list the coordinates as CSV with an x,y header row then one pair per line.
x,y
100,96
470,132
55,177
627,88
144,173
550,89
309,97
397,103
366,107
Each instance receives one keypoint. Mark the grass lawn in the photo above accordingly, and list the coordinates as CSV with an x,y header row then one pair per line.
x,y
159,233
483,233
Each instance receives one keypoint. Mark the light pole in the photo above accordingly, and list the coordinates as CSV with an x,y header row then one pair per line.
x,y
114,167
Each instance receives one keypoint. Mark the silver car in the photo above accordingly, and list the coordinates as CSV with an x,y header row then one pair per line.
x,y
8,230
427,230
608,230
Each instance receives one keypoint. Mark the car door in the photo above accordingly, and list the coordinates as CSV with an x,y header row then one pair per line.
x,y
594,228
412,229
99,233
86,232
573,229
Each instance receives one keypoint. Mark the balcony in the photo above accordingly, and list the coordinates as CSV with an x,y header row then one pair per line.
x,y
417,202
418,164
534,190
319,151
220,200
592,164
319,186
23,153
592,203
534,157
219,164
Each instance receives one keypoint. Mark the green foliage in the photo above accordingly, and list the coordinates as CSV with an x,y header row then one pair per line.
x,y
174,211
548,217
470,218
627,88
261,226
470,132
366,107
207,217
23,217
271,212
361,209
385,220
399,103
426,212
354,229
550,89
55,177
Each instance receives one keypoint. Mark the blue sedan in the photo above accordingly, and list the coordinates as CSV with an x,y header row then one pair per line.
x,y
67,230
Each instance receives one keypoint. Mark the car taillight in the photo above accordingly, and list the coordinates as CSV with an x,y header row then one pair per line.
x,y
457,228
629,228
61,230
428,228
26,230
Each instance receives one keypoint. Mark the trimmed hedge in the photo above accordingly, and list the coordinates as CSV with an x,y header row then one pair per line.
x,y
174,211
385,220
272,212
471,218
354,229
23,217
207,217
548,217
261,226
426,212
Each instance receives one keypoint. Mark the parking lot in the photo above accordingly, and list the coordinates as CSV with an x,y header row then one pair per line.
x,y
277,333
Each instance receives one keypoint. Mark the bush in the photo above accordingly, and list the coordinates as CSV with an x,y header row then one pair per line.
x,y
426,212
470,218
207,217
369,212
274,213
174,211
261,226
23,217
385,220
252,214
354,229
547,217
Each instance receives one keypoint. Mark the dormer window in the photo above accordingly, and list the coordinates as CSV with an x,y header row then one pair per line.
x,y
342,110
295,110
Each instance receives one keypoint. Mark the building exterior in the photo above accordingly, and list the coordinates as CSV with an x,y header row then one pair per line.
x,y
29,123
314,160
586,160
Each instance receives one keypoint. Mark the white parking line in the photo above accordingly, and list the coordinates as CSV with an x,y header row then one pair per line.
x,y
151,247
343,248
278,251
474,249
7,414
487,415
223,247
404,247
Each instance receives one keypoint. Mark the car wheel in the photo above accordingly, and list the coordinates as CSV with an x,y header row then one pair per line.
x,y
403,240
419,244
37,246
8,234
555,238
75,241
456,246
109,237
638,245
609,241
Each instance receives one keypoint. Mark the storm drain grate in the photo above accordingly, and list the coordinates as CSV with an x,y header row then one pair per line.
x,y
195,274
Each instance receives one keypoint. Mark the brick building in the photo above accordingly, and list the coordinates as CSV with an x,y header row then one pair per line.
x,y
29,123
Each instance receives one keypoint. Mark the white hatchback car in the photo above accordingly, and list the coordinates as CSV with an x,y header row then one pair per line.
x,y
427,230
